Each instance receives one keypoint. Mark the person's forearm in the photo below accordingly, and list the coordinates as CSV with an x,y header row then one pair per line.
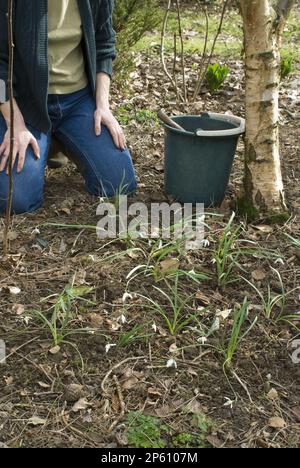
x,y
102,91
5,110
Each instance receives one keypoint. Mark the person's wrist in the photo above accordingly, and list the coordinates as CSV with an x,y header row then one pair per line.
x,y
103,106
18,122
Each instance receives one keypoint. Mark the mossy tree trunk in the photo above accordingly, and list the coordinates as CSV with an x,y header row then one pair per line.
x,y
264,22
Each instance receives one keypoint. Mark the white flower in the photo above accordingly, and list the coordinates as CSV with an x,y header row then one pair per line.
x,y
202,340
122,319
25,318
205,243
154,327
126,296
172,363
214,261
229,403
36,231
279,261
14,290
109,346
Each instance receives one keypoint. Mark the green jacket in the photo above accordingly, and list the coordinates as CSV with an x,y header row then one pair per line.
x,y
31,74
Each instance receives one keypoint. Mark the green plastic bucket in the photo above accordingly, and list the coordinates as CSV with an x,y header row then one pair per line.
x,y
198,162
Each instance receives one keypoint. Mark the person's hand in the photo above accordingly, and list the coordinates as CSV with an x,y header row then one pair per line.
x,y
105,117
22,139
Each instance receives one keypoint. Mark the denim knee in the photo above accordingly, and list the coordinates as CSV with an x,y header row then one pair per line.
x,y
21,204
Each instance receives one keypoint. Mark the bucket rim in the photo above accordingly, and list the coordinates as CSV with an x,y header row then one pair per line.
x,y
239,130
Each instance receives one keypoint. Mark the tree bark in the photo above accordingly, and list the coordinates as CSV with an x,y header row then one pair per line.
x,y
264,22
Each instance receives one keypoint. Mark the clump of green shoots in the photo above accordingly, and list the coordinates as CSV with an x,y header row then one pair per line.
x,y
215,76
239,319
163,262
286,67
176,310
295,242
226,254
59,317
270,300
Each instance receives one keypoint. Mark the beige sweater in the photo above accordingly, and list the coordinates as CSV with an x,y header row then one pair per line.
x,y
65,54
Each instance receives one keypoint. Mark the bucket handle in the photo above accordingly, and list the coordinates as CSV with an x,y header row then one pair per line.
x,y
238,130
225,118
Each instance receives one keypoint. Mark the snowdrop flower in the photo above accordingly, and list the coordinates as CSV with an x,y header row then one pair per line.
x,y
279,261
109,346
126,296
25,318
172,363
202,340
36,231
229,403
14,290
214,261
154,327
205,243
122,319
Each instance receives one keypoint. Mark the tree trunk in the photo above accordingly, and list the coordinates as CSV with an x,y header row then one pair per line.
x,y
263,27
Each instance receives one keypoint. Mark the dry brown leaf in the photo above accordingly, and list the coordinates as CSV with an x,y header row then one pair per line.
x,y
258,275
273,395
203,299
54,350
214,441
44,385
168,265
266,228
18,309
154,391
80,405
277,423
36,421
96,320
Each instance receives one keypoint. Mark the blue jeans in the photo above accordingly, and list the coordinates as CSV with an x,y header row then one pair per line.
x,y
106,169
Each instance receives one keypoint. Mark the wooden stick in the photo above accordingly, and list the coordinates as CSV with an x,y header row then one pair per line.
x,y
11,148
166,119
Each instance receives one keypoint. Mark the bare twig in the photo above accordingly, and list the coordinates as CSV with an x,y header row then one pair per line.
x,y
174,65
203,75
122,405
162,51
203,53
182,50
119,364
10,159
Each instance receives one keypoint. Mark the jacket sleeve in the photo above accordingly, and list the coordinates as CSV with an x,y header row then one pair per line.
x,y
3,52
105,38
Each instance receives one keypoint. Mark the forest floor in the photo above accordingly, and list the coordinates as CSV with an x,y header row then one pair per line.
x,y
109,370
